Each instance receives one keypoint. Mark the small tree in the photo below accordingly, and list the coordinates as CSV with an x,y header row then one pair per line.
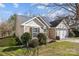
x,y
26,37
41,38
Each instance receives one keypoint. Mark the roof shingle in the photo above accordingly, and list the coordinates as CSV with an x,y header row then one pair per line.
x,y
55,23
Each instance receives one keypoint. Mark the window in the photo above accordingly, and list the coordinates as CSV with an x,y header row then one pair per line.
x,y
35,32
44,30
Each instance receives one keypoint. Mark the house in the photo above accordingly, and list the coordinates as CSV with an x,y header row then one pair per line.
x,y
34,25
39,24
60,28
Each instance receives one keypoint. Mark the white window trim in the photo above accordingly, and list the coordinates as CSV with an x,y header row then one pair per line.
x,y
35,32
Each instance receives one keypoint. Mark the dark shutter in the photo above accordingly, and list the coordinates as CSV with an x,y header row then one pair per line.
x,y
31,30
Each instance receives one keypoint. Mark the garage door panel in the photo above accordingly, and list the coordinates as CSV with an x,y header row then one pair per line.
x,y
62,33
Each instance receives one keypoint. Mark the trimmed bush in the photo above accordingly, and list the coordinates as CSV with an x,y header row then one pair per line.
x,y
26,37
41,38
33,43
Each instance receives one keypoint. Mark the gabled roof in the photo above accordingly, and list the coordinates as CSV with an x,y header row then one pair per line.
x,y
21,19
46,19
39,18
55,22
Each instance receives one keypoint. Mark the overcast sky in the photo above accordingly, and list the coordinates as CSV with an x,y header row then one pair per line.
x,y
8,9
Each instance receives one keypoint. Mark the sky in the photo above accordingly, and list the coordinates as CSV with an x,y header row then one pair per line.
x,y
8,9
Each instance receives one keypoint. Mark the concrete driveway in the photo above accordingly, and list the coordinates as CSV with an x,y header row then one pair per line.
x,y
75,40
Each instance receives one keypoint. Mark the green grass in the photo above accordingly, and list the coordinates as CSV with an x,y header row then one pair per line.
x,y
8,41
51,49
73,38
60,48
17,51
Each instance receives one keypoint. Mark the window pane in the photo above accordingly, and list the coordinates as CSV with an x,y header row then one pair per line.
x,y
35,32
35,29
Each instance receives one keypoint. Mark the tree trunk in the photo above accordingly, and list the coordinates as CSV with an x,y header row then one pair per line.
x,y
77,11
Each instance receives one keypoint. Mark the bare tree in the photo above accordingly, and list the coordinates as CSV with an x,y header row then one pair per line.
x,y
72,8
8,27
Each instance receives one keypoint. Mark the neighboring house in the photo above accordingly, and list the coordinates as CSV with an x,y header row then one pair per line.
x,y
39,24
61,28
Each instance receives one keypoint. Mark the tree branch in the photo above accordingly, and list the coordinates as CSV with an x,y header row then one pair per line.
x,y
66,8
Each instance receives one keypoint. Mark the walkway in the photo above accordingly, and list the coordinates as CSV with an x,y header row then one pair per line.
x,y
76,40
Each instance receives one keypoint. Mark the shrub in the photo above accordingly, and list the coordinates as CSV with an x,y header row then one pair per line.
x,y
76,33
18,42
57,38
33,43
41,38
70,34
26,37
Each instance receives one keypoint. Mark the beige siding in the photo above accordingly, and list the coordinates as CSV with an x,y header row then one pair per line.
x,y
32,24
19,29
27,29
36,24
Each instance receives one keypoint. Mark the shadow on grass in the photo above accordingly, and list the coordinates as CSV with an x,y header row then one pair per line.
x,y
11,49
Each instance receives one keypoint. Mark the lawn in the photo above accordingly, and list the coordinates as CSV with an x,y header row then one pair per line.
x,y
52,49
7,41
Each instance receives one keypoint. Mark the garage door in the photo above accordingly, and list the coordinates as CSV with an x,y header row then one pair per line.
x,y
62,33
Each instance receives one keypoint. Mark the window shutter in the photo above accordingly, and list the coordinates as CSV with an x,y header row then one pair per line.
x,y
31,30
